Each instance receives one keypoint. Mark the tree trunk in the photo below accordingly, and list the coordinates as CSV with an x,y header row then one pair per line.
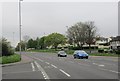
x,y
89,48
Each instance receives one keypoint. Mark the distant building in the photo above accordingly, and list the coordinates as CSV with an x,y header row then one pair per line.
x,y
102,42
115,43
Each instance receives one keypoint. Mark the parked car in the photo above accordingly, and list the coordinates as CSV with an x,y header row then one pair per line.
x,y
62,54
80,54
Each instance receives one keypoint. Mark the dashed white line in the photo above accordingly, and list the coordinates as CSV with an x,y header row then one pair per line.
x,y
42,70
71,61
110,70
95,64
39,59
64,72
47,63
33,67
101,65
113,71
53,66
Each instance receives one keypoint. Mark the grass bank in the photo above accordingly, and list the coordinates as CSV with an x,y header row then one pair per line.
x,y
10,59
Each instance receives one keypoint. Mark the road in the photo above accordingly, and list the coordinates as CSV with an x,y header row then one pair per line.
x,y
49,66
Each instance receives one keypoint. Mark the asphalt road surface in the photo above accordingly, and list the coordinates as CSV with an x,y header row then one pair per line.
x,y
49,66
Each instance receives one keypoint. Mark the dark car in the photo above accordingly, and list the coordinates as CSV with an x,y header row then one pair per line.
x,y
80,54
62,54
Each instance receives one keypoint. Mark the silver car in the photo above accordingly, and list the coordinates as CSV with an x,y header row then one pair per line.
x,y
62,54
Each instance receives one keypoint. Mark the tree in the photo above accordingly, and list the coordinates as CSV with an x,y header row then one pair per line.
x,y
42,43
82,33
32,43
76,34
25,39
6,47
90,33
23,46
55,39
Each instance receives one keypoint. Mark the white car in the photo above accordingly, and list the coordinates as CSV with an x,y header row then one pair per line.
x,y
62,54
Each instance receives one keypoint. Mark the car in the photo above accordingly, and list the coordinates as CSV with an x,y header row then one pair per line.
x,y
62,54
80,54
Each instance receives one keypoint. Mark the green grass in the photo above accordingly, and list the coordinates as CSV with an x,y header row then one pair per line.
x,y
10,59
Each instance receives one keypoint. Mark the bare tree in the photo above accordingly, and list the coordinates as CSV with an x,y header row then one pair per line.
x,y
76,34
90,33
82,33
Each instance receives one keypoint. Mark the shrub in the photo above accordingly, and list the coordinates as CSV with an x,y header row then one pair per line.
x,y
10,59
6,48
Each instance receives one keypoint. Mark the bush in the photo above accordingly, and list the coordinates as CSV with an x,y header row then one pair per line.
x,y
6,48
74,48
117,51
10,59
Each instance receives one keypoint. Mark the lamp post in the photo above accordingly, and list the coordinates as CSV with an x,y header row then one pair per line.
x,y
20,25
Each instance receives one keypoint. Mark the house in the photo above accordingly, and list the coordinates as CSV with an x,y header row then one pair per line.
x,y
115,43
103,42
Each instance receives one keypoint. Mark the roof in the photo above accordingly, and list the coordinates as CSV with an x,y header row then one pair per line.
x,y
116,38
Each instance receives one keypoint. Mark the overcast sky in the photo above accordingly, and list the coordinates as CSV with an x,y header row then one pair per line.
x,y
47,17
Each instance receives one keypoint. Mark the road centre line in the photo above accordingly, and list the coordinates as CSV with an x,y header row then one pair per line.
x,y
53,66
42,71
38,59
110,70
64,72
101,65
33,67
47,63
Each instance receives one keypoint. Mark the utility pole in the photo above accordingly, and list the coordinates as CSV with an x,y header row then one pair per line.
x,y
20,25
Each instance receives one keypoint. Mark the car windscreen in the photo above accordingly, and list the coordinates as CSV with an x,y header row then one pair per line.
x,y
62,52
82,52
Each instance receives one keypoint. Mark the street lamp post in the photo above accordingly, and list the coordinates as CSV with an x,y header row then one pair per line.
x,y
20,26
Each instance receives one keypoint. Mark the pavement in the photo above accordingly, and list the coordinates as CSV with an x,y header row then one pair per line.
x,y
49,66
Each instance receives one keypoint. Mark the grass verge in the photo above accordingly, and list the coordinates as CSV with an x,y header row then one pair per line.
x,y
10,59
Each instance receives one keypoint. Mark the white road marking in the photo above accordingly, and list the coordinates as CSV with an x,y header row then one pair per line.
x,y
114,71
84,64
64,72
101,65
95,64
53,66
110,70
38,59
71,61
42,70
33,67
47,63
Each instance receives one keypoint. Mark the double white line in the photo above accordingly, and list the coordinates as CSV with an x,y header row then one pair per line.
x,y
40,69
33,67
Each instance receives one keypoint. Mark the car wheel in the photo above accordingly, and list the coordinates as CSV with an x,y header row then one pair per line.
x,y
74,57
86,57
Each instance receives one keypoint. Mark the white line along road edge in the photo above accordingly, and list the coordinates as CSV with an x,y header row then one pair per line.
x,y
64,72
42,70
